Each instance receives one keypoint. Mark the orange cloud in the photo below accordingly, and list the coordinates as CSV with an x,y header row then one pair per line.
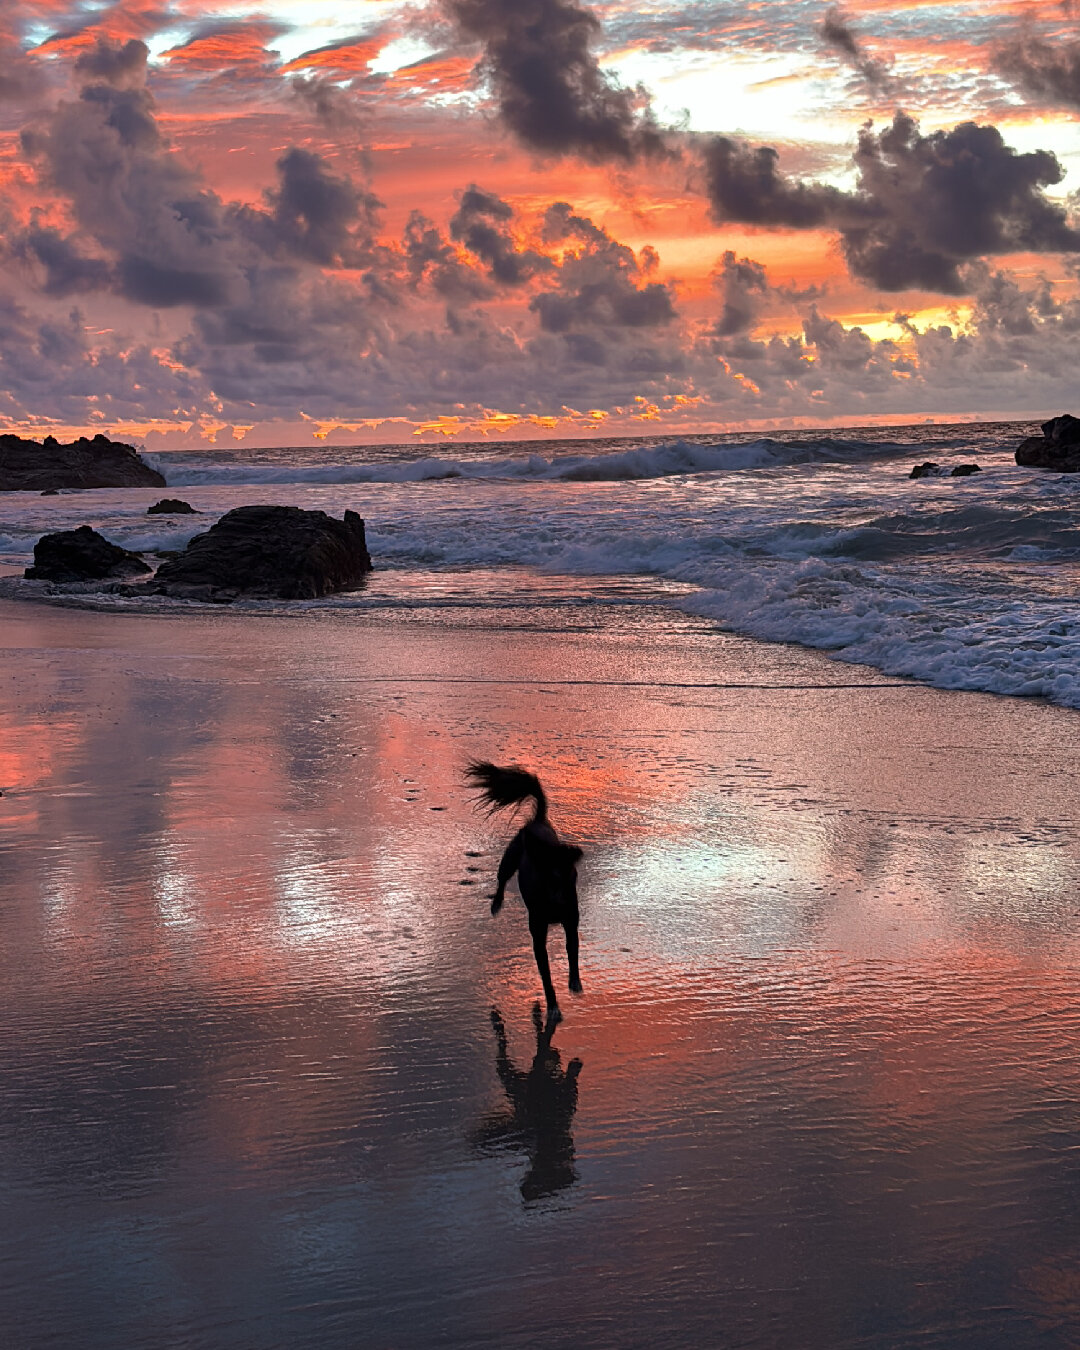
x,y
120,22
349,57
446,70
224,49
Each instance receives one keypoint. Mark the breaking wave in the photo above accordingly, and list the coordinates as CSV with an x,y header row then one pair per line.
x,y
667,460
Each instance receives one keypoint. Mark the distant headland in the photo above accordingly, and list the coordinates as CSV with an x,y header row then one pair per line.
x,y
49,466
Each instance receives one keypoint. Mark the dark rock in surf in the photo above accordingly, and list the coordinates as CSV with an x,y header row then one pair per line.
x,y
171,506
269,552
33,466
82,555
1057,448
932,470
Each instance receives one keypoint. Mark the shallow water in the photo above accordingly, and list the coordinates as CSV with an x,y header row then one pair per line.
x,y
822,1089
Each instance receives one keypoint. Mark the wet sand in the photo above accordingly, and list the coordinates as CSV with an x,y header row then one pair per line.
x,y
822,1089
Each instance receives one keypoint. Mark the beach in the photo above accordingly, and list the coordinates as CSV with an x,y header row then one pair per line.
x,y
820,1089
417,419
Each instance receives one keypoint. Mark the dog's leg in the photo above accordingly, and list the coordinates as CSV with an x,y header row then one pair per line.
x,y
539,940
572,958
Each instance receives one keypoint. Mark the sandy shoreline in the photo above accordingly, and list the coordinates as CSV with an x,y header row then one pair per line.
x,y
829,935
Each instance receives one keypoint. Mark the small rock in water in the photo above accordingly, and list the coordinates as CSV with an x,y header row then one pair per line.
x,y
81,555
171,506
932,470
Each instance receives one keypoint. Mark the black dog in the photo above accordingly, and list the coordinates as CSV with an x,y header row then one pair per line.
x,y
546,870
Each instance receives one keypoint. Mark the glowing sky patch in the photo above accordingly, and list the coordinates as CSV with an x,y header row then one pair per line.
x,y
402,52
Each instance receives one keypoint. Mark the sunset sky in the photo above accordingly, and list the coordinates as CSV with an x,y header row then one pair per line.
x,y
368,220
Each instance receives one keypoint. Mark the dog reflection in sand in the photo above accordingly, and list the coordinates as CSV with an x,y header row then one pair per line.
x,y
542,1105
546,868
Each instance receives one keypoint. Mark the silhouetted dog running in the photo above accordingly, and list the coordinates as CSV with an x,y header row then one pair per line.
x,y
546,869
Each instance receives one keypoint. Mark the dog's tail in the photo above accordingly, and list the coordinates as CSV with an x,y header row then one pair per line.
x,y
511,785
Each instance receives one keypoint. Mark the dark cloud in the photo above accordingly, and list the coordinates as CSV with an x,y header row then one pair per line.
x,y
743,287
317,215
334,107
104,153
65,268
848,349
745,185
122,66
561,223
601,283
837,31
430,260
548,84
1048,71
171,240
481,224
925,205
922,208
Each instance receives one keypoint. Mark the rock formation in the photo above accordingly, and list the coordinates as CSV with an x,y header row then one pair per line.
x,y
1057,448
931,470
82,555
33,466
278,552
171,506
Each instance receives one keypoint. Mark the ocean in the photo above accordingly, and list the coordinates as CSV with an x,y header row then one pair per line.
x,y
821,539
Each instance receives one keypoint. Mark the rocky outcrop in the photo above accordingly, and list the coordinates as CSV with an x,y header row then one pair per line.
x,y
82,555
275,552
171,506
33,466
1057,448
931,470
